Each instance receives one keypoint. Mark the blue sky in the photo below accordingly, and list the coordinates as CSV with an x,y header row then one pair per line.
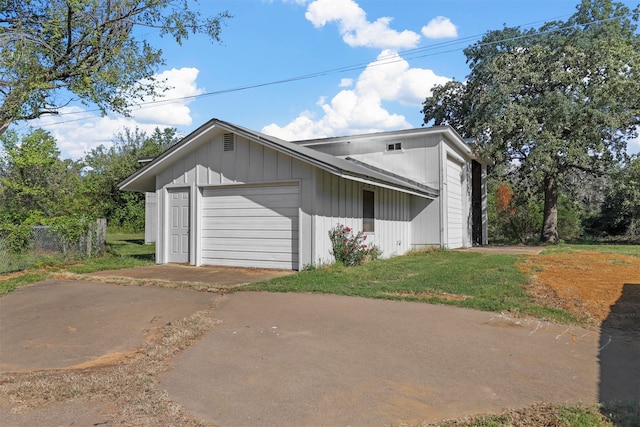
x,y
373,62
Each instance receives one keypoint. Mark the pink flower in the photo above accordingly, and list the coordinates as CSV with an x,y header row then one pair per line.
x,y
348,230
346,251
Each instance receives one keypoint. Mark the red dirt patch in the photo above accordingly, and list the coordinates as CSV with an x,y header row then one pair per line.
x,y
584,283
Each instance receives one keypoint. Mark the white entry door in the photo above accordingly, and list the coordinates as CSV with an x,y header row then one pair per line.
x,y
178,225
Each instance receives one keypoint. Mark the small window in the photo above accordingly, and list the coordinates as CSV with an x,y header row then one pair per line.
x,y
368,211
396,146
229,141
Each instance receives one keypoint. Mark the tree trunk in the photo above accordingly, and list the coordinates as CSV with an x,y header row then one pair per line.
x,y
550,217
4,126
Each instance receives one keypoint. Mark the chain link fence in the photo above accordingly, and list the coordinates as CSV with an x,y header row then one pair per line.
x,y
45,241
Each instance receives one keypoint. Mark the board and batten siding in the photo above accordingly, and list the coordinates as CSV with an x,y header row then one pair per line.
x,y
209,165
339,201
150,217
454,210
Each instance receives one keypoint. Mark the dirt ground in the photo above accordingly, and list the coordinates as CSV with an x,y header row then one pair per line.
x,y
588,284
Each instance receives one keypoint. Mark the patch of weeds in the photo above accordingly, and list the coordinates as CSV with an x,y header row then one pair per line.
x,y
12,283
543,414
106,262
632,250
617,261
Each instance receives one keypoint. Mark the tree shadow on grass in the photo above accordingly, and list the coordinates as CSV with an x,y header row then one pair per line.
x,y
620,359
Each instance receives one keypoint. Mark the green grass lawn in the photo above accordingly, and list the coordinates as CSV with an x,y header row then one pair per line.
x,y
122,251
631,250
489,282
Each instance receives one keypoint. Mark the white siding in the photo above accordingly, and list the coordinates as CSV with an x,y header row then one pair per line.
x,y
150,217
208,165
425,222
339,201
418,160
455,223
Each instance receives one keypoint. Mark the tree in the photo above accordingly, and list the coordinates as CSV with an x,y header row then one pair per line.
x,y
34,181
107,167
619,212
51,50
551,101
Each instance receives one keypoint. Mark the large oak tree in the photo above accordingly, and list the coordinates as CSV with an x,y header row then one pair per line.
x,y
53,50
551,101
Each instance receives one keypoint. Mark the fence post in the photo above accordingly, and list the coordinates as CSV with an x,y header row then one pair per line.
x,y
88,241
101,233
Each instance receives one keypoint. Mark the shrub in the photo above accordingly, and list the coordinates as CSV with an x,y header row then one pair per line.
x,y
350,249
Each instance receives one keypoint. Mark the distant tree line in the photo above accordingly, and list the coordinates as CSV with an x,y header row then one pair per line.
x,y
37,187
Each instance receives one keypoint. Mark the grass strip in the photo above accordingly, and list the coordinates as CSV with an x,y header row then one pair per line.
x,y
631,250
488,282
618,414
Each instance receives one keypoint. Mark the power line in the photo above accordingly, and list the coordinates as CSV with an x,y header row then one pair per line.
x,y
409,54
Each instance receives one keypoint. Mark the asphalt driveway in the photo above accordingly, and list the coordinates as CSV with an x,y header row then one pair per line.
x,y
326,360
300,359
65,324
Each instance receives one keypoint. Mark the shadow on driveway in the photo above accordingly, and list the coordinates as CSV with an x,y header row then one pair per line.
x,y
620,349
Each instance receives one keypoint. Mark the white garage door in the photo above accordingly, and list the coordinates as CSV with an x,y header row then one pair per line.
x,y
251,226
454,204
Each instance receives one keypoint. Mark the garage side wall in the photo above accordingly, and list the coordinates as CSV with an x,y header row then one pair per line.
x,y
339,201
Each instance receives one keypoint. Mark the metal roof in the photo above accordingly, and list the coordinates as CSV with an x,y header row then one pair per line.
x,y
144,178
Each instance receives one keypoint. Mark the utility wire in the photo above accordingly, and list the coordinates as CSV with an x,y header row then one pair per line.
x,y
415,53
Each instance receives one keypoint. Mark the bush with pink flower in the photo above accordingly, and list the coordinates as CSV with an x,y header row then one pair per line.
x,y
350,249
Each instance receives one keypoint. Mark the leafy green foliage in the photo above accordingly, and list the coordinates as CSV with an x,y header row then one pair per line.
x,y
107,167
514,216
619,213
349,249
87,48
34,179
552,101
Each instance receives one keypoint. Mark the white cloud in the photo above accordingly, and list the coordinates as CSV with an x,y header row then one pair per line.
x,y
354,27
360,110
391,77
78,130
346,82
440,27
181,83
